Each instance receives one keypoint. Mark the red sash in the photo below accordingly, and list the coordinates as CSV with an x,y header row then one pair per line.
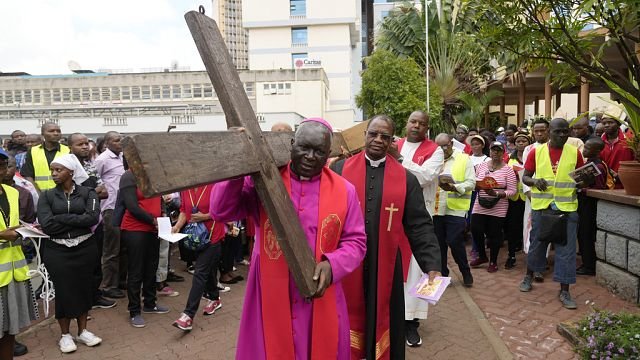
x,y
390,232
422,154
274,276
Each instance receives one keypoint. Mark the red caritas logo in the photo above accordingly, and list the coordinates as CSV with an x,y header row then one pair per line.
x,y
299,63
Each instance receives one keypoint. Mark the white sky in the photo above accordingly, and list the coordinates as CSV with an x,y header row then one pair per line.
x,y
42,36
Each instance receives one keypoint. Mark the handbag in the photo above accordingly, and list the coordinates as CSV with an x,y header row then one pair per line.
x,y
198,236
553,226
488,202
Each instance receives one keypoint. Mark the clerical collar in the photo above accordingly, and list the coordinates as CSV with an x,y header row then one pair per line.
x,y
375,163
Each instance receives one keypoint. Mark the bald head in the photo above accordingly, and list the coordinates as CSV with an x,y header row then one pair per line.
x,y
580,128
558,132
444,141
281,127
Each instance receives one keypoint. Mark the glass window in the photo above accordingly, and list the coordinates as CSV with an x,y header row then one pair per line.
x,y
297,56
75,94
186,91
197,90
17,96
36,97
146,92
208,91
176,91
298,7
95,94
66,95
248,87
299,36
86,94
287,88
27,96
46,96
115,93
166,92
56,95
126,93
105,94
135,93
155,91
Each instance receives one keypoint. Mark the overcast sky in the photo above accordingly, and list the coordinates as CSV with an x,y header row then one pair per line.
x,y
42,36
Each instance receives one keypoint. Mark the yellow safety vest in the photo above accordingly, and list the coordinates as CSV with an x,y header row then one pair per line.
x,y
42,173
561,187
456,201
13,265
519,195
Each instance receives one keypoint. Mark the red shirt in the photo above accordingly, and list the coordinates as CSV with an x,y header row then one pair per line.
x,y
615,151
199,197
554,154
150,205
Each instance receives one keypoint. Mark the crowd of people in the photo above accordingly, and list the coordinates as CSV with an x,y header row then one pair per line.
x,y
376,221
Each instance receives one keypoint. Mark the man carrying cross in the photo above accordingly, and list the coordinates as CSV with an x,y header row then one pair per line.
x,y
393,207
277,321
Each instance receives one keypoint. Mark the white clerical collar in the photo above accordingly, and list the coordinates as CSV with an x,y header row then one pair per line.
x,y
375,163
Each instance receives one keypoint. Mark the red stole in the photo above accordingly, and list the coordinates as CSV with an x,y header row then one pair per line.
x,y
390,232
274,276
422,154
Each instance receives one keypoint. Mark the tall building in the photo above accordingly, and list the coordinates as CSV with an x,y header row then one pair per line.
x,y
228,15
298,34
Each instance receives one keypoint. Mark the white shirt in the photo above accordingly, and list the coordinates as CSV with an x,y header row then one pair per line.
x,y
427,173
477,160
440,206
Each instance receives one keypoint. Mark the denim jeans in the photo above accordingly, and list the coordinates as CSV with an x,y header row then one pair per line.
x,y
449,230
564,270
205,278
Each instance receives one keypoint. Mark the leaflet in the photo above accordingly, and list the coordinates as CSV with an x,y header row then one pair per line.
x,y
164,231
430,293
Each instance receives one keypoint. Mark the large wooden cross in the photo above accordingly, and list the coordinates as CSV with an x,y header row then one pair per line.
x,y
166,163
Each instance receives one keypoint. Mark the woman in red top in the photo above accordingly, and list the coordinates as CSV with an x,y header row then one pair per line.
x,y
194,207
139,233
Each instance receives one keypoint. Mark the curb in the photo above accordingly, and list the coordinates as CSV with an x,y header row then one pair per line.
x,y
499,347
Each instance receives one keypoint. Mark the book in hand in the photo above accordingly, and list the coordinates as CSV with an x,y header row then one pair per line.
x,y
585,173
430,293
30,231
487,183
164,231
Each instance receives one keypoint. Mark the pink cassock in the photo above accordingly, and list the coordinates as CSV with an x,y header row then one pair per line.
x,y
237,199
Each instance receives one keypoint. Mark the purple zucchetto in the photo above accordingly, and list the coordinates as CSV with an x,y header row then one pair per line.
x,y
319,121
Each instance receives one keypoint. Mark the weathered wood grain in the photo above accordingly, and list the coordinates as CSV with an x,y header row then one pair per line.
x,y
269,186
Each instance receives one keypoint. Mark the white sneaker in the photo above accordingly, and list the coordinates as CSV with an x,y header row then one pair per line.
x,y
88,338
66,344
223,289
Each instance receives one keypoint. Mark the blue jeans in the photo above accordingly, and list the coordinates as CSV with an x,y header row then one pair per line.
x,y
564,269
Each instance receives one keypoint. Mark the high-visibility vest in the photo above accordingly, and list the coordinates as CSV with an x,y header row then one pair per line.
x,y
455,200
520,194
13,265
561,187
42,173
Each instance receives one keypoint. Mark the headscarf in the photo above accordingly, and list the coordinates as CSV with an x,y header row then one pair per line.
x,y
72,163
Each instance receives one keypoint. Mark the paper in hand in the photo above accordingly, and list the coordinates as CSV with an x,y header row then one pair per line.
x,y
30,231
430,293
164,231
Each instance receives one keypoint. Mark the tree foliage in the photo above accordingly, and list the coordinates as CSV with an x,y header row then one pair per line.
x,y
391,86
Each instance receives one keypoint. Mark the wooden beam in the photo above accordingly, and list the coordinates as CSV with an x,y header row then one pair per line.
x,y
268,184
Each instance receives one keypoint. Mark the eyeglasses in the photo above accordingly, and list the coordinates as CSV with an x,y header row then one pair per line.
x,y
375,134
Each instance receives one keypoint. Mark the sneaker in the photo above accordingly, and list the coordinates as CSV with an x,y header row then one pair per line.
x,y
413,338
223,289
19,349
88,338
212,306
113,293
479,261
511,263
137,321
66,344
467,279
191,269
538,277
172,277
493,267
525,285
158,309
167,291
567,301
473,255
184,322
244,262
104,303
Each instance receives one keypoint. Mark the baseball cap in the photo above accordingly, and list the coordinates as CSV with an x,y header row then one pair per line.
x,y
477,137
500,129
497,144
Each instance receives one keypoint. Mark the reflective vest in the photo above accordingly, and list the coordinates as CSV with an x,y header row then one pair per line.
x,y
519,195
561,187
13,265
42,173
456,201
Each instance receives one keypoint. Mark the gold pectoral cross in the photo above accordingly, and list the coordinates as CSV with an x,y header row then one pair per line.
x,y
391,210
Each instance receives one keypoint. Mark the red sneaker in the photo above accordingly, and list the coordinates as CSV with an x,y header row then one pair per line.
x,y
477,262
212,306
184,322
493,267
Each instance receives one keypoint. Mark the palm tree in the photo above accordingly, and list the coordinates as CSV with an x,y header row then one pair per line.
x,y
475,104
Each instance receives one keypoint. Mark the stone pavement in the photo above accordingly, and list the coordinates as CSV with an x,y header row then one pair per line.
x,y
453,331
527,322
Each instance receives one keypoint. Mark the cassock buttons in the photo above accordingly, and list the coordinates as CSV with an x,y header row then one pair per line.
x,y
368,210
366,221
373,177
371,187
369,198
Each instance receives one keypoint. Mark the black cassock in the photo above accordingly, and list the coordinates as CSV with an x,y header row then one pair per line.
x,y
418,227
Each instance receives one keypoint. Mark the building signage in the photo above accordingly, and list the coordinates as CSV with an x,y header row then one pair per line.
x,y
307,62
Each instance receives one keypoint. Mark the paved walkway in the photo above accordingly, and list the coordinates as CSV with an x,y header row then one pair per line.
x,y
492,320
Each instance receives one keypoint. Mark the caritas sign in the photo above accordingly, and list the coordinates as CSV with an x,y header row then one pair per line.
x,y
306,62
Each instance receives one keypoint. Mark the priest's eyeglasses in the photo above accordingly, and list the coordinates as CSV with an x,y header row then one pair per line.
x,y
375,134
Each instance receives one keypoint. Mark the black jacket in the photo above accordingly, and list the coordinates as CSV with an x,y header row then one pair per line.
x,y
65,219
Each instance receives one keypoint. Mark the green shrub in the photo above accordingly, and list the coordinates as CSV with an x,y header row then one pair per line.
x,y
609,335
